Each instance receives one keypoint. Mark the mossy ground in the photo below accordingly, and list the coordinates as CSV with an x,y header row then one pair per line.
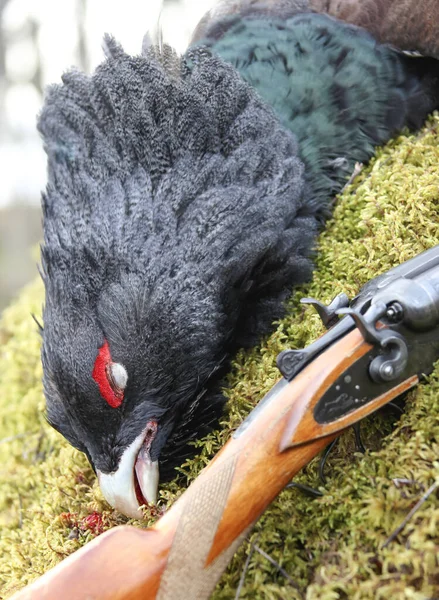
x,y
331,547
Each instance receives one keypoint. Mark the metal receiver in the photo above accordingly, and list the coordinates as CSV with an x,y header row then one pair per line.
x,y
397,313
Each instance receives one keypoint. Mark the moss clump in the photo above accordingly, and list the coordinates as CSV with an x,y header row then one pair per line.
x,y
331,547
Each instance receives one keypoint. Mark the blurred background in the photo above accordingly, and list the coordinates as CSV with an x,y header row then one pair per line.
x,y
39,40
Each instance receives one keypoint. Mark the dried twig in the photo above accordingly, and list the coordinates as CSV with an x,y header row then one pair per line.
x,y
20,511
417,506
11,438
357,170
244,571
399,482
305,489
65,493
278,567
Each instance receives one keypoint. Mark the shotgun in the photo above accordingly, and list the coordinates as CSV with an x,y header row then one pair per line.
x,y
376,348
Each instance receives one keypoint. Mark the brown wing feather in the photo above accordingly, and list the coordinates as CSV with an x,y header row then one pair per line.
x,y
213,25
406,24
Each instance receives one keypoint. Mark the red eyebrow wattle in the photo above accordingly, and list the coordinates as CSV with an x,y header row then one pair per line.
x,y
102,362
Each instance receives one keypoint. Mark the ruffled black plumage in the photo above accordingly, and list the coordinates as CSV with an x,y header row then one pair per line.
x,y
175,225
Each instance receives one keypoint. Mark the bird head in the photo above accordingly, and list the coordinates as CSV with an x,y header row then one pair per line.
x,y
125,384
156,167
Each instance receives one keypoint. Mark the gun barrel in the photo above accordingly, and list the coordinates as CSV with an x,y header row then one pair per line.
x,y
417,299
410,269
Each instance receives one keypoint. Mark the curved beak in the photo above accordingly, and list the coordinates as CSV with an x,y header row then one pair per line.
x,y
136,480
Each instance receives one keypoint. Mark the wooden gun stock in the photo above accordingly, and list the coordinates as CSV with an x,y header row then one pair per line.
x,y
184,554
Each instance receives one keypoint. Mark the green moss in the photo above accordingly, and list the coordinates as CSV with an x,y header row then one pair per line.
x,y
332,547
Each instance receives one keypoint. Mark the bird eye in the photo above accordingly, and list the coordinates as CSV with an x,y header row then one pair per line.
x,y
117,376
111,377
